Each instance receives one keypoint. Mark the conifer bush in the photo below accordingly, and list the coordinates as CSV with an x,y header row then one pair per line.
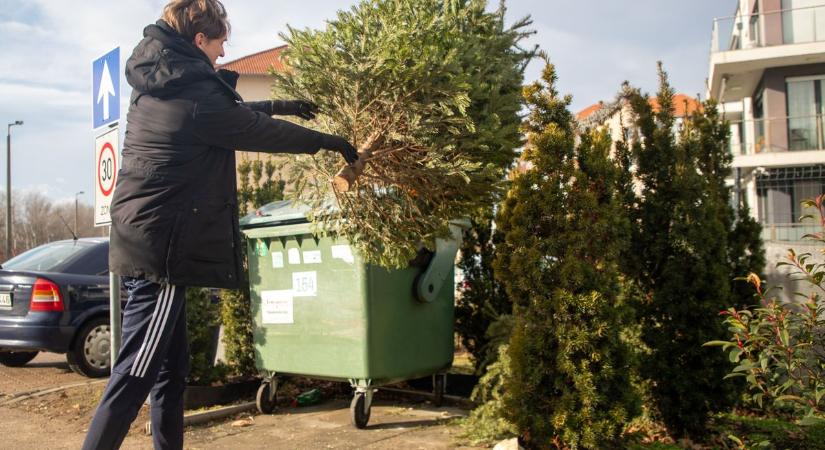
x,y
481,299
259,185
686,250
487,424
428,90
202,321
563,232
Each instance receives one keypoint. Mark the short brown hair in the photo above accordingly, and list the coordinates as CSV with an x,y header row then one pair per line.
x,y
190,17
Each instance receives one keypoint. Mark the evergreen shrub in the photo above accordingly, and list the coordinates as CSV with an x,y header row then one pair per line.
x,y
563,231
487,424
481,299
260,183
202,322
686,247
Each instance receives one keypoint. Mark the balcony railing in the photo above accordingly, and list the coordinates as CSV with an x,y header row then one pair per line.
x,y
780,27
778,134
788,231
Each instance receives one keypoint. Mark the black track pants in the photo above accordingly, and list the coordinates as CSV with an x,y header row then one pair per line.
x,y
154,358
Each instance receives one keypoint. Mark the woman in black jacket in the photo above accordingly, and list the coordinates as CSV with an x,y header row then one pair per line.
x,y
174,211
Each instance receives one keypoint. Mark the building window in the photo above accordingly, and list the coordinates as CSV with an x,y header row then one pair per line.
x,y
753,26
780,193
803,21
805,108
759,142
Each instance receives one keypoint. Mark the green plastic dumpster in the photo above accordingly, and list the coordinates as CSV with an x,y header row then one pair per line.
x,y
321,312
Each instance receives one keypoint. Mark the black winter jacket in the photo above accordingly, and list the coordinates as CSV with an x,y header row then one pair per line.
x,y
174,211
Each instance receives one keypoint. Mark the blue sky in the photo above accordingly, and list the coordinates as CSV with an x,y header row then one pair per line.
x,y
48,47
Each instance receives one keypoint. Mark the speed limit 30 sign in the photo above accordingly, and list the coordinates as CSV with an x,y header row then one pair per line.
x,y
106,155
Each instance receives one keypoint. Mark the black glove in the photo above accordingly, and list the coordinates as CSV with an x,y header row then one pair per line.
x,y
340,145
301,108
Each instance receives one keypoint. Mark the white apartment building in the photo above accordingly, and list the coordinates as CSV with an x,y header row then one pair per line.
x,y
767,70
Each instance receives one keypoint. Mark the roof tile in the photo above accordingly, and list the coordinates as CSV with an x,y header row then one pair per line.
x,y
683,106
257,63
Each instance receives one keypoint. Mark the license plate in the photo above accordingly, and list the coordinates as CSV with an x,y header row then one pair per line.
x,y
5,300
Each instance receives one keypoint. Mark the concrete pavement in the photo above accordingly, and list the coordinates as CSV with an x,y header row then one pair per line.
x,y
46,370
392,426
59,420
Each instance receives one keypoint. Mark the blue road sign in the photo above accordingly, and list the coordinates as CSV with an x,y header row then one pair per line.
x,y
106,88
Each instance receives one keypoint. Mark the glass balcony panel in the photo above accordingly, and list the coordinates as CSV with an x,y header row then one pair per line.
x,y
801,21
793,232
778,134
802,133
780,193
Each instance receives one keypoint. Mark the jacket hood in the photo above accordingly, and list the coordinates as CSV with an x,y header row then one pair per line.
x,y
164,62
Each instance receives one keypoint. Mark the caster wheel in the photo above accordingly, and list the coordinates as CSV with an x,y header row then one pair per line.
x,y
359,412
266,398
438,389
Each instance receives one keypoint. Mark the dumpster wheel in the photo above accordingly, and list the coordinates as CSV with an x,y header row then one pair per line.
x,y
359,410
266,398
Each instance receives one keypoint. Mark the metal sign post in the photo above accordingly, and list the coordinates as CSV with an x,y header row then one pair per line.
x,y
106,111
106,155
115,325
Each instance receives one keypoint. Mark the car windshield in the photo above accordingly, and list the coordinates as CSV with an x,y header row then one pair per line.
x,y
45,258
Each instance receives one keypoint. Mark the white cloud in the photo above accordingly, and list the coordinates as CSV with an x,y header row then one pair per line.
x,y
48,47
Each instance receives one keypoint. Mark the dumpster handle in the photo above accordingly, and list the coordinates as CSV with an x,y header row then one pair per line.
x,y
429,283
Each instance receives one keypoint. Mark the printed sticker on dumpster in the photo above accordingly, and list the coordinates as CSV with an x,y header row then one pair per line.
x,y
294,256
304,284
277,260
343,252
312,256
276,307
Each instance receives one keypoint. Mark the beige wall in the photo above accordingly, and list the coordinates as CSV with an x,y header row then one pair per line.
x,y
253,88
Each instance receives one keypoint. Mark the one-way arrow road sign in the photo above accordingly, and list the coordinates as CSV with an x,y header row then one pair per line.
x,y
106,88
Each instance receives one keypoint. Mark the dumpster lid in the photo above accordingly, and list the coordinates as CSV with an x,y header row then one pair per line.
x,y
277,213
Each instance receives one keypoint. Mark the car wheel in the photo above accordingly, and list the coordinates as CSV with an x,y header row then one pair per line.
x,y
89,356
16,359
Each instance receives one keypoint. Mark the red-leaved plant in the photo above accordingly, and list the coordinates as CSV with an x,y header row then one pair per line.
x,y
779,347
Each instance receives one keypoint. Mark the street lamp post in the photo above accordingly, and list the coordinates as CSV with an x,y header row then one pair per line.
x,y
75,212
8,186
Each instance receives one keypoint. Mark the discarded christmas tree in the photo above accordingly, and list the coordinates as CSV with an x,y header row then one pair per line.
x,y
428,90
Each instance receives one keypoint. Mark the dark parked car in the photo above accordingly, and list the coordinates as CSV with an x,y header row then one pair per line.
x,y
55,298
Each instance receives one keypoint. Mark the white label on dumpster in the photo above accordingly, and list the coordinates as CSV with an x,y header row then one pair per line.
x,y
304,284
276,307
277,260
343,252
294,256
312,256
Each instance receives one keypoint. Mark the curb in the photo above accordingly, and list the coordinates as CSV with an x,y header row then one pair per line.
x,y
32,394
206,416
461,401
